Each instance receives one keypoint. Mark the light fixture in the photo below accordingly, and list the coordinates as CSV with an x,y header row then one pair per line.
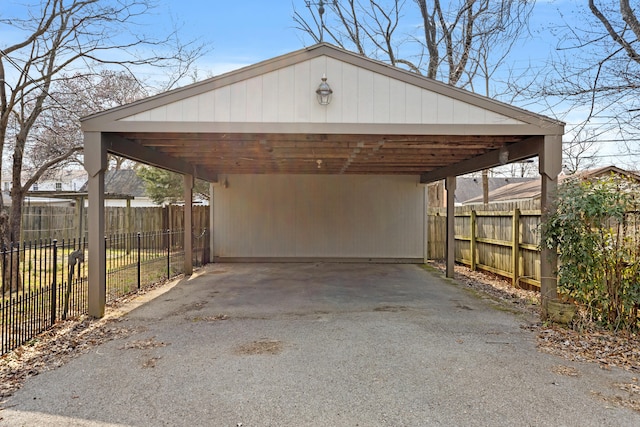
x,y
503,156
320,5
324,91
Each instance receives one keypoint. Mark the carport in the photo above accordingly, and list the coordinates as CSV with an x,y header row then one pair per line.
x,y
320,154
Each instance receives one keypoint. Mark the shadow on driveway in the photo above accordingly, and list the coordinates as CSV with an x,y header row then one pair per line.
x,y
319,345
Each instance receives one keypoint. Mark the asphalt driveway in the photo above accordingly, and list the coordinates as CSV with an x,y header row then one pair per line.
x,y
319,345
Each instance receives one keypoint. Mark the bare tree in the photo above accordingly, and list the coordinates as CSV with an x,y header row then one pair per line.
x,y
594,72
57,131
451,45
462,43
54,37
581,153
521,169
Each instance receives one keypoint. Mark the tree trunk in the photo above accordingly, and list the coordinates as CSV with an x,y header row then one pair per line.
x,y
11,233
4,247
431,39
10,258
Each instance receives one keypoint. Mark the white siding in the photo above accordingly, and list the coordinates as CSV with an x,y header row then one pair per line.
x,y
270,89
285,100
345,88
238,107
302,89
222,104
365,98
174,111
413,105
398,111
206,107
319,216
359,96
381,98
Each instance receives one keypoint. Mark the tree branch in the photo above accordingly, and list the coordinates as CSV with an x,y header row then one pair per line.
x,y
50,163
612,32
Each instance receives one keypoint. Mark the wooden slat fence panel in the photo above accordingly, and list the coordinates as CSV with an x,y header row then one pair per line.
x,y
529,255
58,222
437,232
44,222
495,238
505,241
494,241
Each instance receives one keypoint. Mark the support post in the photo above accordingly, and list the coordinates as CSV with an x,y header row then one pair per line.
x,y
188,224
450,186
473,243
425,219
211,222
515,245
550,165
95,162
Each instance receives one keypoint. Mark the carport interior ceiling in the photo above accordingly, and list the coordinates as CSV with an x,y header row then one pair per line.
x,y
404,132
251,153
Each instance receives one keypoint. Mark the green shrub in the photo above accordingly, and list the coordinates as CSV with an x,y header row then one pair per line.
x,y
596,228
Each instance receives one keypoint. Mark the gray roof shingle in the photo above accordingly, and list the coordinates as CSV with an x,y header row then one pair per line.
x,y
124,181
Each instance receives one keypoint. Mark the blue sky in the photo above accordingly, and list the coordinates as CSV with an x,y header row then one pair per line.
x,y
240,33
247,31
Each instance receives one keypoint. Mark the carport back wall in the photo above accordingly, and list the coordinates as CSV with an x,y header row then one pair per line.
x,y
319,217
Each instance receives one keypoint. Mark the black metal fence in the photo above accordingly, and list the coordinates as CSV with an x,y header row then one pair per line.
x,y
45,281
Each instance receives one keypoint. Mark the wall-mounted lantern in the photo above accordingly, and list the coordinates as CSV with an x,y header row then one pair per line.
x,y
324,91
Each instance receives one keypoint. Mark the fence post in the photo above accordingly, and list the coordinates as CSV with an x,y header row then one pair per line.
x,y
139,264
128,225
472,244
168,253
3,284
515,247
4,272
54,284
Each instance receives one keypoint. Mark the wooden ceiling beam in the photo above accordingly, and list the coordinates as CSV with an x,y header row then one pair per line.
x,y
255,150
130,150
511,153
339,153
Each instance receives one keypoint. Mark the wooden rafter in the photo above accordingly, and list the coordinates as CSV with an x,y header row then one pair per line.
x,y
226,153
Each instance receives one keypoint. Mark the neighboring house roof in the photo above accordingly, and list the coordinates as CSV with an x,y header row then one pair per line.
x,y
531,190
471,188
124,181
63,175
606,170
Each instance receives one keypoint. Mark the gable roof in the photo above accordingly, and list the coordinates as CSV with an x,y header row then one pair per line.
x,y
264,118
531,190
329,58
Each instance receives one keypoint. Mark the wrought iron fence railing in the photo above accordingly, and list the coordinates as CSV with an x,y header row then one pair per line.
x,y
45,281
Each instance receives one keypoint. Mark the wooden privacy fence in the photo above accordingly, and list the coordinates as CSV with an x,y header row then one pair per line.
x,y
124,220
56,222
501,238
